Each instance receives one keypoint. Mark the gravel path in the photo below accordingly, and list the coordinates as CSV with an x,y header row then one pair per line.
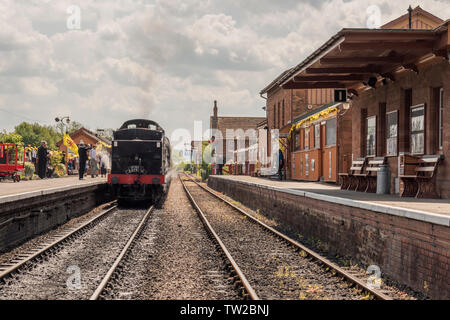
x,y
173,258
275,270
89,256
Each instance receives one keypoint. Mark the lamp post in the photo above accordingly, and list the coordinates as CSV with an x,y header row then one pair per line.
x,y
64,126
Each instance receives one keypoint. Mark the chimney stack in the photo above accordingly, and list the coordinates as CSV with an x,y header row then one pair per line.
x,y
410,16
215,108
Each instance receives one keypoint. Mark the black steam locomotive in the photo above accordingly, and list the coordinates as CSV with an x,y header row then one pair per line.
x,y
140,161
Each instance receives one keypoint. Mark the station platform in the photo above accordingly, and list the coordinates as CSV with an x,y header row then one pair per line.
x,y
10,191
428,210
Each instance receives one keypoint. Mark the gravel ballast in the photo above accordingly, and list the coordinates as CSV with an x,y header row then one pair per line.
x,y
174,258
75,270
274,269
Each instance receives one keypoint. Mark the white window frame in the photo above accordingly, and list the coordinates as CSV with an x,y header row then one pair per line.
x,y
306,164
422,105
307,138
316,136
326,132
375,137
396,137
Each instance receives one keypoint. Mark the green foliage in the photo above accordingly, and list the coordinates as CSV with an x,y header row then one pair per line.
x,y
34,133
60,170
56,159
70,127
11,138
29,169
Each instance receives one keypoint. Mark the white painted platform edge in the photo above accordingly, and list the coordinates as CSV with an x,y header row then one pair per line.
x,y
430,217
31,194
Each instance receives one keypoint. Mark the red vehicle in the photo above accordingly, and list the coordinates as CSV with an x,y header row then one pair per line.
x,y
12,160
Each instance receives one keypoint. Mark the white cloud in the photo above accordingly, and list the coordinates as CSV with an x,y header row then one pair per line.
x,y
164,59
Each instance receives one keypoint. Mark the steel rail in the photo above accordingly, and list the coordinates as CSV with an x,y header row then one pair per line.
x,y
59,239
251,292
122,254
308,251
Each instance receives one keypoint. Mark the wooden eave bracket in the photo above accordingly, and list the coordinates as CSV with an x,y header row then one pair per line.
x,y
412,67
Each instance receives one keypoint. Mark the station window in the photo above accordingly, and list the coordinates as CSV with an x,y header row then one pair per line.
x,y
296,141
371,125
306,164
391,133
331,132
441,118
417,129
317,136
274,115
307,139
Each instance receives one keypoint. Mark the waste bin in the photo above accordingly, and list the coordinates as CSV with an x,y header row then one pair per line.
x,y
383,180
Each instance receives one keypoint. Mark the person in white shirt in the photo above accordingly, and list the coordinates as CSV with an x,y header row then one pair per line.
x,y
93,166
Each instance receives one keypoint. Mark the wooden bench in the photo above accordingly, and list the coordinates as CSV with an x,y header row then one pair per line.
x,y
421,184
371,173
349,181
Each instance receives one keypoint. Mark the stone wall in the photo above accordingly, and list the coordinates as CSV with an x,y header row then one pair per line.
x,y
23,219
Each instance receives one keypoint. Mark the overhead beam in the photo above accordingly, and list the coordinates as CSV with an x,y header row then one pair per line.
x,y
383,45
389,35
329,70
352,77
309,85
354,60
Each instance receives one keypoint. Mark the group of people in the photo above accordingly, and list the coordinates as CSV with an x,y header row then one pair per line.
x,y
87,157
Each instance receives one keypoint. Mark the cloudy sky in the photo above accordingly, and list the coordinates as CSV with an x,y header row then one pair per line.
x,y
165,60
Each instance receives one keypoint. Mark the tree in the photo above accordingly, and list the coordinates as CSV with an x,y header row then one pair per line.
x,y
70,127
34,133
11,138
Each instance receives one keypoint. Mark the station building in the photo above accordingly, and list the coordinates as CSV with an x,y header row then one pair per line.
x,y
87,136
284,106
398,81
236,145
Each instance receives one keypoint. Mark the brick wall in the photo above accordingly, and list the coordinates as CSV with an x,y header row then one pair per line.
x,y
409,251
297,99
393,95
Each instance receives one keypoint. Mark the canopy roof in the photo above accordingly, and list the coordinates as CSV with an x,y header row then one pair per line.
x,y
352,56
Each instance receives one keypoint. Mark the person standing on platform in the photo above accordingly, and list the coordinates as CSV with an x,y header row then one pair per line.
x,y
83,155
33,158
281,164
93,162
42,158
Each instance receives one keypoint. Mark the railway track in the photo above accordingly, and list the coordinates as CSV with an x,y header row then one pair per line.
x,y
270,265
105,282
51,246
23,263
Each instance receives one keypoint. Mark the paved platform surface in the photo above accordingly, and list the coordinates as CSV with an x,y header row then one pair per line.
x,y
393,204
8,189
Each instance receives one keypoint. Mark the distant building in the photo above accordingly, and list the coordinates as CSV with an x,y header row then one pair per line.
x,y
233,142
87,136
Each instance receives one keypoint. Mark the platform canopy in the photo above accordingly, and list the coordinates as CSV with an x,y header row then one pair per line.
x,y
360,58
